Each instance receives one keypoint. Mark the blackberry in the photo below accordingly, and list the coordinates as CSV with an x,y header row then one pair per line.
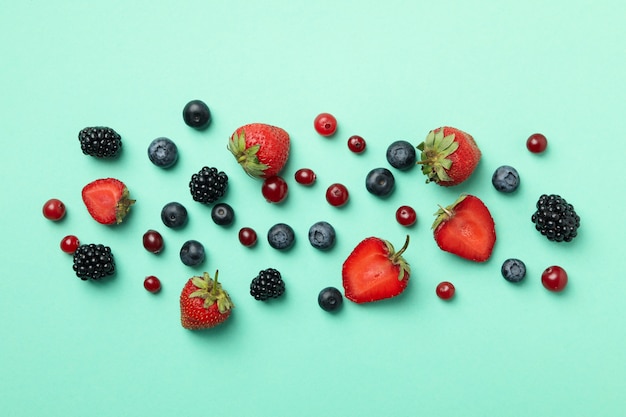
x,y
93,261
268,284
208,185
100,142
555,218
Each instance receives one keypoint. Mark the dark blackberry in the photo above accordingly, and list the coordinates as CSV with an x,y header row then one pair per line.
x,y
208,185
268,284
555,218
100,142
93,261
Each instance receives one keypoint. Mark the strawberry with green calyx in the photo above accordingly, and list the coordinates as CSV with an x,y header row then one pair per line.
x,y
449,156
262,150
466,229
107,200
375,271
204,303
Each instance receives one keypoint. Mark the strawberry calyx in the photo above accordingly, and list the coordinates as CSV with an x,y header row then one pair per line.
x,y
397,259
446,213
435,151
123,206
211,292
246,156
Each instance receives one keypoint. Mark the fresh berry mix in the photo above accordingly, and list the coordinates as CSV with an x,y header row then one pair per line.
x,y
337,195
100,142
322,235
513,270
380,182
325,124
305,176
445,290
330,299
357,144
223,214
54,209
208,185
163,152
204,303
152,284
247,236
262,150
174,215
505,179
555,218
268,284
93,261
554,278
274,189
401,155
107,200
196,114
192,253
536,143
153,241
281,236
406,216
69,244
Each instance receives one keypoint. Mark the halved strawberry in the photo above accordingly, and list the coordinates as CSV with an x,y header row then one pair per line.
x,y
203,303
107,200
261,150
466,228
375,271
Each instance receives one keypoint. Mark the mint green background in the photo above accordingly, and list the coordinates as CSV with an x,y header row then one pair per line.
x,y
387,70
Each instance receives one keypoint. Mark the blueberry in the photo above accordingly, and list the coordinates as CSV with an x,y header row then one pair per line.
x,y
330,299
174,215
505,179
163,152
197,114
192,253
380,182
513,270
223,214
281,236
401,155
322,235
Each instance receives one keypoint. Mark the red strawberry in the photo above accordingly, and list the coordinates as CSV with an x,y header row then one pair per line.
x,y
262,150
375,271
466,229
203,303
449,156
107,200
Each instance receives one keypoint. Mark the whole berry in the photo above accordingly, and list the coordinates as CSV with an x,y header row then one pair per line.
x,y
325,124
555,218
153,241
536,143
196,114
192,253
322,235
281,236
554,278
513,270
100,142
356,144
208,185
406,216
69,244
380,182
163,152
505,179
330,299
152,284
267,284
223,214
274,189
445,290
305,176
93,261
54,209
247,236
401,155
337,195
174,215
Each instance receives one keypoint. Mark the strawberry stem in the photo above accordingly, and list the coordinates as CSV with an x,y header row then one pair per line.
x,y
399,253
214,289
445,210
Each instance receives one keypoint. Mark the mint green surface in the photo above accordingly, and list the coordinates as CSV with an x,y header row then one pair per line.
x,y
387,70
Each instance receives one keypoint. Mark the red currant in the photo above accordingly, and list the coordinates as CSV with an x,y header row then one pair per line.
x,y
537,143
153,241
274,189
445,290
325,124
554,278
54,209
406,216
356,143
69,244
247,236
152,284
305,176
337,195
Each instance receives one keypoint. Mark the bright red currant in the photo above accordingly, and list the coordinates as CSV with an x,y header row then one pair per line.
x,y
337,195
325,124
247,236
69,244
274,189
356,143
554,278
153,241
305,176
537,143
406,216
54,209
152,284
445,290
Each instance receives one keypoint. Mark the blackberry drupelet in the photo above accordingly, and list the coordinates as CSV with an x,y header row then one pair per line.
x,y
93,261
555,218
100,142
268,284
208,185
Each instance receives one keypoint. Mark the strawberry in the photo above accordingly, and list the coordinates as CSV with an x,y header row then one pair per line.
x,y
449,156
262,150
466,229
203,303
107,200
375,271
